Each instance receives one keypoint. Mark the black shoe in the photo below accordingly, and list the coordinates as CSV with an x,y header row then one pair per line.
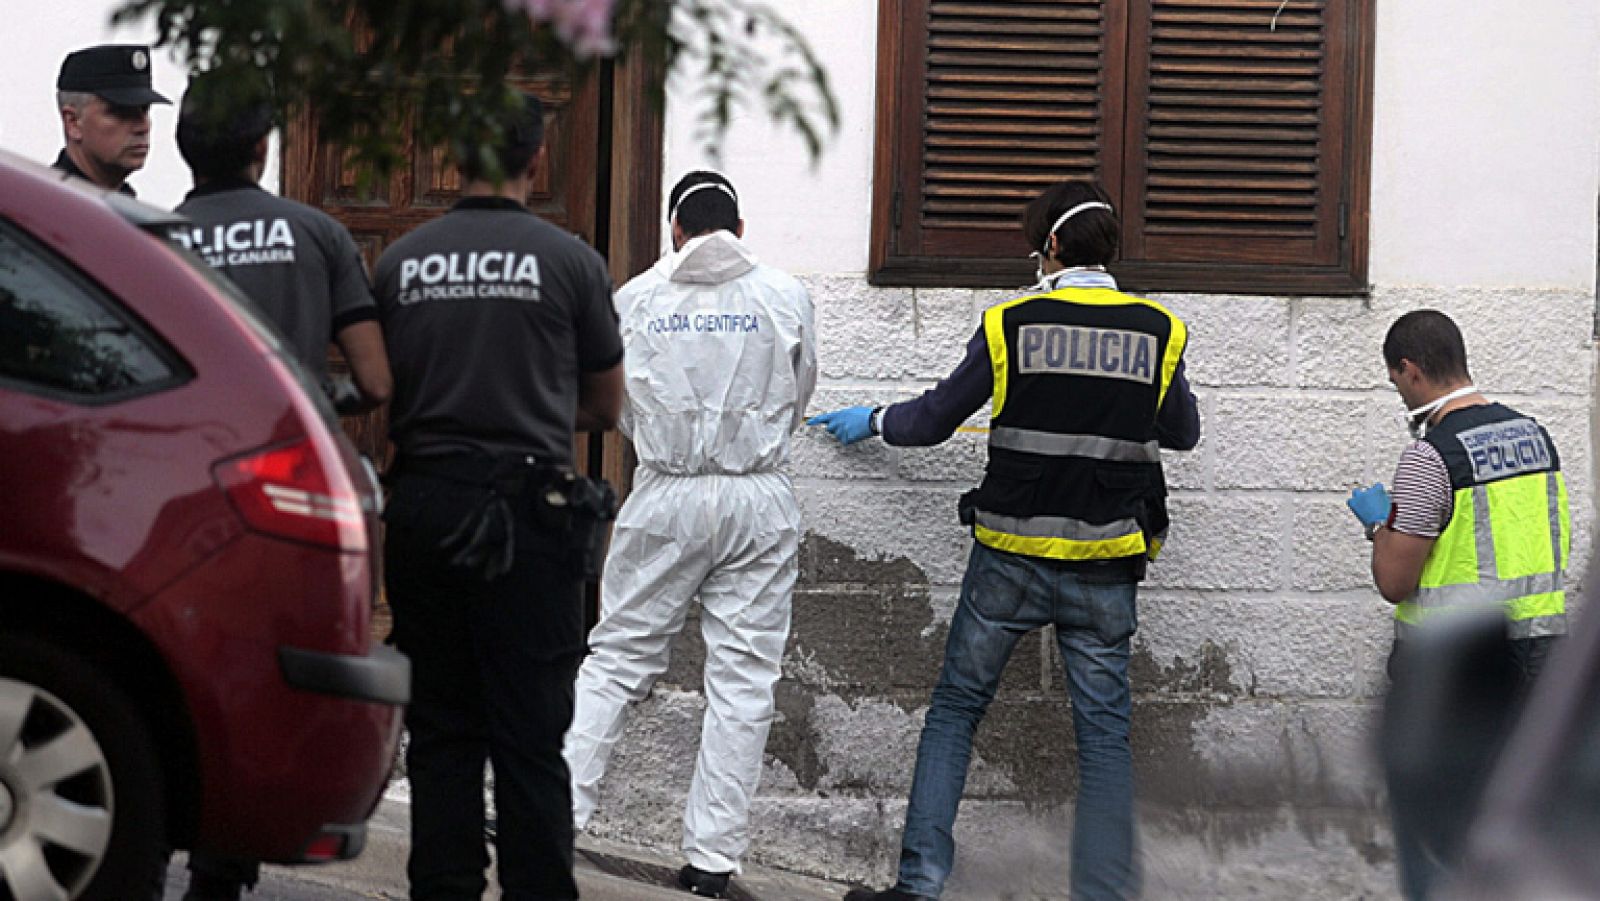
x,y
888,894
203,887
702,883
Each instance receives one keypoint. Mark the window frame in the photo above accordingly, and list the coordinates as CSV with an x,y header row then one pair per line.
x,y
900,117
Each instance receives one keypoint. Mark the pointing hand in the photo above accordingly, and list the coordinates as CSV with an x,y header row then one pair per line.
x,y
848,425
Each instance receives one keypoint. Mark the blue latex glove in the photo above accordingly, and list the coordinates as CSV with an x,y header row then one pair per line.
x,y
1370,505
848,425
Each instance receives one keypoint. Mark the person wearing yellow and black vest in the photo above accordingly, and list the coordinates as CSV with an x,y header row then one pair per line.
x,y
1087,385
1477,522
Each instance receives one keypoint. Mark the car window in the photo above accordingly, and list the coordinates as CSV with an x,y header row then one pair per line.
x,y
60,334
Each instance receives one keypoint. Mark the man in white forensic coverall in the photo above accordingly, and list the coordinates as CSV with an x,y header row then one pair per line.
x,y
720,364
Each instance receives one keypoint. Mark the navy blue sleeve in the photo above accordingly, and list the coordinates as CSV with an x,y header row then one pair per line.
x,y
935,416
1178,422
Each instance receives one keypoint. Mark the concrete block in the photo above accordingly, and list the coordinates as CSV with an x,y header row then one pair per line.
x,y
1298,648
1177,651
1263,755
1330,552
824,561
1191,470
863,332
1028,750
1333,749
1518,339
943,321
662,739
960,460
686,668
1374,639
1208,753
1234,341
1293,443
865,748
1339,343
884,523
1221,542
1278,647
836,641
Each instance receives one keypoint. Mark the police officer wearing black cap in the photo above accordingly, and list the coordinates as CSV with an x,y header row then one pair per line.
x,y
104,95
503,340
296,262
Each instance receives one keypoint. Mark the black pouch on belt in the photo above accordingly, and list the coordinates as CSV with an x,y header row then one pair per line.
x,y
578,508
484,542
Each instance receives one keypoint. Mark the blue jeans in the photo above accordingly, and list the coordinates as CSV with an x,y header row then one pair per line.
x,y
1003,598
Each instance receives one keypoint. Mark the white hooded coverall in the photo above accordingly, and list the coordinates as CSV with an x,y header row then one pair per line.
x,y
720,364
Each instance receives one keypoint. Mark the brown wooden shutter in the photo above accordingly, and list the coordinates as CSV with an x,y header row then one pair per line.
x,y
1233,134
1240,145
982,104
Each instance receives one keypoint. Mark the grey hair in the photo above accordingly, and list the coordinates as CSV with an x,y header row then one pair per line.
x,y
76,100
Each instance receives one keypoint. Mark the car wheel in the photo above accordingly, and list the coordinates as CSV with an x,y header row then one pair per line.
x,y
82,809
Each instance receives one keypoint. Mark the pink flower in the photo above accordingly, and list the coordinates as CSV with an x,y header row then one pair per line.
x,y
583,25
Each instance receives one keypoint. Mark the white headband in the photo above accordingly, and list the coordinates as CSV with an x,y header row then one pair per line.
x,y
1091,205
673,213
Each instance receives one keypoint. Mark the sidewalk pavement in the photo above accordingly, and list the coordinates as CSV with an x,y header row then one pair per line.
x,y
606,871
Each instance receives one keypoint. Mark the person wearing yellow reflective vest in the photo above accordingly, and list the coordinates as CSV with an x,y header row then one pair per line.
x,y
1477,521
1086,385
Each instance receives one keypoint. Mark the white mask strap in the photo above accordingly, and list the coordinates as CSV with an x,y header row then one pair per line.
x,y
1082,207
1425,412
673,213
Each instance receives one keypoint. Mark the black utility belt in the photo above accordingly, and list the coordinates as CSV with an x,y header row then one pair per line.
x,y
555,499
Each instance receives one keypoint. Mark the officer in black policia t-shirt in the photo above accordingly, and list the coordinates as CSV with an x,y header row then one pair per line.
x,y
299,266
503,339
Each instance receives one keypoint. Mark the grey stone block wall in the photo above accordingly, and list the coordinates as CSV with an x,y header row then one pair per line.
x,y
1260,652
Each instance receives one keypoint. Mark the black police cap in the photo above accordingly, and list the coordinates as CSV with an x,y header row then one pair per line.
x,y
116,73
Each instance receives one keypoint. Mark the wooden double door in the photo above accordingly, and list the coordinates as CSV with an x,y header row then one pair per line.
x,y
602,182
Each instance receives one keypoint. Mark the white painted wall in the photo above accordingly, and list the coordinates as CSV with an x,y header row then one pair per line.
x,y
1486,142
803,217
41,34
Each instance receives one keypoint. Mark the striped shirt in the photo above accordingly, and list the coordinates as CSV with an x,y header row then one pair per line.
x,y
1422,500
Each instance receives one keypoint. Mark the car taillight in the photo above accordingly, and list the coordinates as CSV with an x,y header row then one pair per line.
x,y
290,491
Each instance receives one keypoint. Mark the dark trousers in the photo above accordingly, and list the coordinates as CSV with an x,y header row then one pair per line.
x,y
493,664
215,877
1433,797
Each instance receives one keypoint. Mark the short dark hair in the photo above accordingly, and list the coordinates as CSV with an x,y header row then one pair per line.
x,y
521,136
704,211
1087,239
222,118
1431,340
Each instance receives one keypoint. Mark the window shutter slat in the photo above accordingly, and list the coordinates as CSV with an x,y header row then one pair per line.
x,y
1237,127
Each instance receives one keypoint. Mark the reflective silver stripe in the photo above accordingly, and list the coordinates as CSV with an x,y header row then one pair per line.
x,y
1057,445
1553,492
1538,627
1483,535
1488,591
1055,527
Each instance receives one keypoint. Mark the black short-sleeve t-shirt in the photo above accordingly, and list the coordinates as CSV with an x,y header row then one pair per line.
x,y
298,264
491,314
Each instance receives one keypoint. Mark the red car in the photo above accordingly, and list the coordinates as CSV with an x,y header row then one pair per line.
x,y
186,566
